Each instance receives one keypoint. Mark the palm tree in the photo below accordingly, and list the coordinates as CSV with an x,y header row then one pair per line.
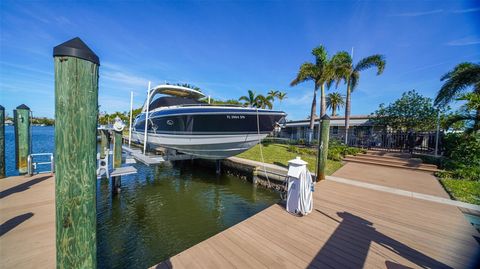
x,y
462,77
351,74
262,101
334,100
250,99
273,93
318,73
281,96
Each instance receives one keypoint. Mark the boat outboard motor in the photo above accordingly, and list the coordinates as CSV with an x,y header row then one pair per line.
x,y
300,188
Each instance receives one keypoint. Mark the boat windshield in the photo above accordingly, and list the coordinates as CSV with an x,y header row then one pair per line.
x,y
166,101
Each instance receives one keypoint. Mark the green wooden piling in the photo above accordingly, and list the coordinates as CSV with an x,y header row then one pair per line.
x,y
103,143
117,149
76,112
2,142
323,147
22,137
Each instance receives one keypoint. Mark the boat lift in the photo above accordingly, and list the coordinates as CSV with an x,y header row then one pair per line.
x,y
142,156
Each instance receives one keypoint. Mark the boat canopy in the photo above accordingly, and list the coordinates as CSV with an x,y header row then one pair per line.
x,y
173,90
177,91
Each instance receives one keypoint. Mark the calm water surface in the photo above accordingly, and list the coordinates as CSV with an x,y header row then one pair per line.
x,y
162,210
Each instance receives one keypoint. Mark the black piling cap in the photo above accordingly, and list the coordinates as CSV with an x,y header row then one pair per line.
x,y
325,117
76,48
23,106
1,107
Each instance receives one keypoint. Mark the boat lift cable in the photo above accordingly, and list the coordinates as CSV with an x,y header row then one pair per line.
x,y
261,152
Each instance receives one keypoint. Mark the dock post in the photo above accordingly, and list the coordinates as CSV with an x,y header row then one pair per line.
x,y
76,114
117,142
255,176
103,142
2,142
117,152
22,137
323,147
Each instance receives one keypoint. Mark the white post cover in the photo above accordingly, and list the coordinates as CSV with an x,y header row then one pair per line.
x,y
300,187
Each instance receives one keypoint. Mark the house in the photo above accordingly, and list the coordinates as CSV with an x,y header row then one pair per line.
x,y
360,125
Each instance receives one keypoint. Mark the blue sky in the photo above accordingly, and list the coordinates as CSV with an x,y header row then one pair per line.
x,y
229,47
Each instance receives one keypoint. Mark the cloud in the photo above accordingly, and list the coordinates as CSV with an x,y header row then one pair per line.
x,y
468,10
466,41
418,14
115,74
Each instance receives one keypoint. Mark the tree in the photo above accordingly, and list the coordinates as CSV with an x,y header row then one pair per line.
x,y
273,93
186,85
463,77
411,111
351,74
320,72
225,102
466,114
249,99
281,96
264,101
334,100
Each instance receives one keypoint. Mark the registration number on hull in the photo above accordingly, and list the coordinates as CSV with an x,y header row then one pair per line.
x,y
235,117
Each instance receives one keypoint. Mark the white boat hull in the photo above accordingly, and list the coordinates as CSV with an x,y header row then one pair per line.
x,y
211,146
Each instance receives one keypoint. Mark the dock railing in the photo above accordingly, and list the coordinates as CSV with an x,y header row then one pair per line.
x,y
32,165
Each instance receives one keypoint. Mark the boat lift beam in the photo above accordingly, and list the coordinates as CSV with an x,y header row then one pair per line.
x,y
155,159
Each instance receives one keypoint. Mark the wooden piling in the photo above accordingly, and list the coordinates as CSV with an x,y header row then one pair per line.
x,y
118,127
117,149
323,147
22,137
103,142
2,142
76,114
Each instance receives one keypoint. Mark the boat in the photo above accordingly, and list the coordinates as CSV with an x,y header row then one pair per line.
x,y
181,120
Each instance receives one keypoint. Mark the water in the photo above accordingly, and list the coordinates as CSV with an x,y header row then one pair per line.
x,y
161,210
42,142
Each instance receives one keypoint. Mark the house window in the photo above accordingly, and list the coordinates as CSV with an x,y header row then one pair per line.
x,y
335,130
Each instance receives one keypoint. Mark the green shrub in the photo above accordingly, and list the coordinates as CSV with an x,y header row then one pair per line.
x,y
338,150
462,153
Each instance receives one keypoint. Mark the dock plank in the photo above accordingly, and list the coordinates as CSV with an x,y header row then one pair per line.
x,y
352,226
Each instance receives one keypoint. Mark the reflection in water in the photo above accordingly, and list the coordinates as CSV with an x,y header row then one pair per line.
x,y
165,209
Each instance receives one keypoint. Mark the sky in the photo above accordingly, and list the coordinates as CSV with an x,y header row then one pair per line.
x,y
229,47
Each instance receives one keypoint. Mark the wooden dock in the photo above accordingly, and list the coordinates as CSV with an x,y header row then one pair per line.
x,y
27,217
350,226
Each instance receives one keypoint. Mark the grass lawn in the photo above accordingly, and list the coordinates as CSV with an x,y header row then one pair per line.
x,y
463,190
279,155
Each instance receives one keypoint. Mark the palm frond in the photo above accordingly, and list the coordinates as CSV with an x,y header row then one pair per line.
x,y
354,79
321,56
463,76
376,60
307,72
459,67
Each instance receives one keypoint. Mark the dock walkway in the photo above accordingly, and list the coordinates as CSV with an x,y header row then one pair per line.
x,y
27,219
350,227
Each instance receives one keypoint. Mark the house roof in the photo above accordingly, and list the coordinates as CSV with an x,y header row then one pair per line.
x,y
355,120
